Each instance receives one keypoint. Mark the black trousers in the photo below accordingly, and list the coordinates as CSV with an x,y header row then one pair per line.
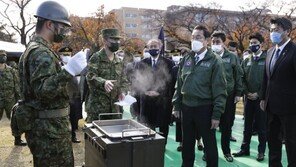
x,y
198,119
179,132
277,124
226,123
253,112
75,113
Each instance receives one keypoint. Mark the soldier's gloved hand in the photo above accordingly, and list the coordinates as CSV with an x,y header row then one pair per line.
x,y
76,63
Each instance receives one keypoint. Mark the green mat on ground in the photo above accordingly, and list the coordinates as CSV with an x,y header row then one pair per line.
x,y
174,159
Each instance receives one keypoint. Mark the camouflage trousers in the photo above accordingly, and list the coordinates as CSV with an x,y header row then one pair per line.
x,y
50,143
7,107
13,124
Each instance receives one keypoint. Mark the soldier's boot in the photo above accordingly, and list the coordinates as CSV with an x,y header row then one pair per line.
x,y
74,139
19,142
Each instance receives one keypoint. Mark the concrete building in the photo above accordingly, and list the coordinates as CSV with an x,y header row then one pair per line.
x,y
136,23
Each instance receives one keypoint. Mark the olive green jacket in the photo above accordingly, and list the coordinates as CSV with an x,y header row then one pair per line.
x,y
233,72
200,84
253,74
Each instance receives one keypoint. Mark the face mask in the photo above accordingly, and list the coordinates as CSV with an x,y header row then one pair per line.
x,y
196,45
137,59
3,59
59,36
114,47
276,37
154,52
254,48
146,55
217,48
176,59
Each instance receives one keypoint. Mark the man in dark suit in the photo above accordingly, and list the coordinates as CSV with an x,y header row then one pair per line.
x,y
156,88
279,92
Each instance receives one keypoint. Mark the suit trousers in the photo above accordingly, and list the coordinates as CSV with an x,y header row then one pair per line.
x,y
226,123
198,119
277,124
252,113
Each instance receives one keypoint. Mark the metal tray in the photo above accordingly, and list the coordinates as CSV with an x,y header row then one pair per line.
x,y
120,128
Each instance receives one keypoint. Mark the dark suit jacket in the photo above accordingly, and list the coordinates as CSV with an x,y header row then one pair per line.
x,y
156,111
279,87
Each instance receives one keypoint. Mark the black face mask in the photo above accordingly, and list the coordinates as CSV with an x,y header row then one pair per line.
x,y
59,36
3,59
114,47
254,48
154,52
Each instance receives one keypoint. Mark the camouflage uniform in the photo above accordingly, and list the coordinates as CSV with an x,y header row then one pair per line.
x,y
100,69
9,90
43,87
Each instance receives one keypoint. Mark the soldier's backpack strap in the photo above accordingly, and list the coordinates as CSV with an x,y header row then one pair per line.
x,y
26,77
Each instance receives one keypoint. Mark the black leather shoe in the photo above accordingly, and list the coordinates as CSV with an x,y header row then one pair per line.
x,y
19,143
260,157
179,148
228,157
232,139
241,153
200,147
75,140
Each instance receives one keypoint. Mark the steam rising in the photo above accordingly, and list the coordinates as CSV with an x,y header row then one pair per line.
x,y
146,79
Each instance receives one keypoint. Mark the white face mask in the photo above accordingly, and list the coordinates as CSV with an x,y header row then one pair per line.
x,y
196,45
217,48
176,59
146,55
65,59
137,59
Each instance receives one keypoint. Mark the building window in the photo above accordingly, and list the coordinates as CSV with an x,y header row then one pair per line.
x,y
130,25
146,36
130,15
132,35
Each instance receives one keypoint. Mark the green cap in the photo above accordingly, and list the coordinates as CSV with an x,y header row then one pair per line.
x,y
2,53
111,33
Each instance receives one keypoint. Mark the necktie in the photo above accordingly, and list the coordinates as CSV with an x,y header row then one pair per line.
x,y
274,59
153,64
196,59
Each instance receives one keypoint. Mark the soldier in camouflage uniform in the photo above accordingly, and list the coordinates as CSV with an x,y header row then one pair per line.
x,y
43,89
105,78
9,94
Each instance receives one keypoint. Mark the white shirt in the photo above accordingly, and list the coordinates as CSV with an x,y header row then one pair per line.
x,y
282,47
201,55
152,58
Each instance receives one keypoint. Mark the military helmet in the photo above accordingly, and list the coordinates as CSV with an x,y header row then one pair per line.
x,y
53,11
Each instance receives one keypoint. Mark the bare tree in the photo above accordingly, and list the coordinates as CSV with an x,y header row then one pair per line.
x,y
24,24
4,34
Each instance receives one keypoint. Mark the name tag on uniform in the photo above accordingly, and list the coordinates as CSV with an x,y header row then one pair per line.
x,y
249,63
262,63
227,60
188,63
205,64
